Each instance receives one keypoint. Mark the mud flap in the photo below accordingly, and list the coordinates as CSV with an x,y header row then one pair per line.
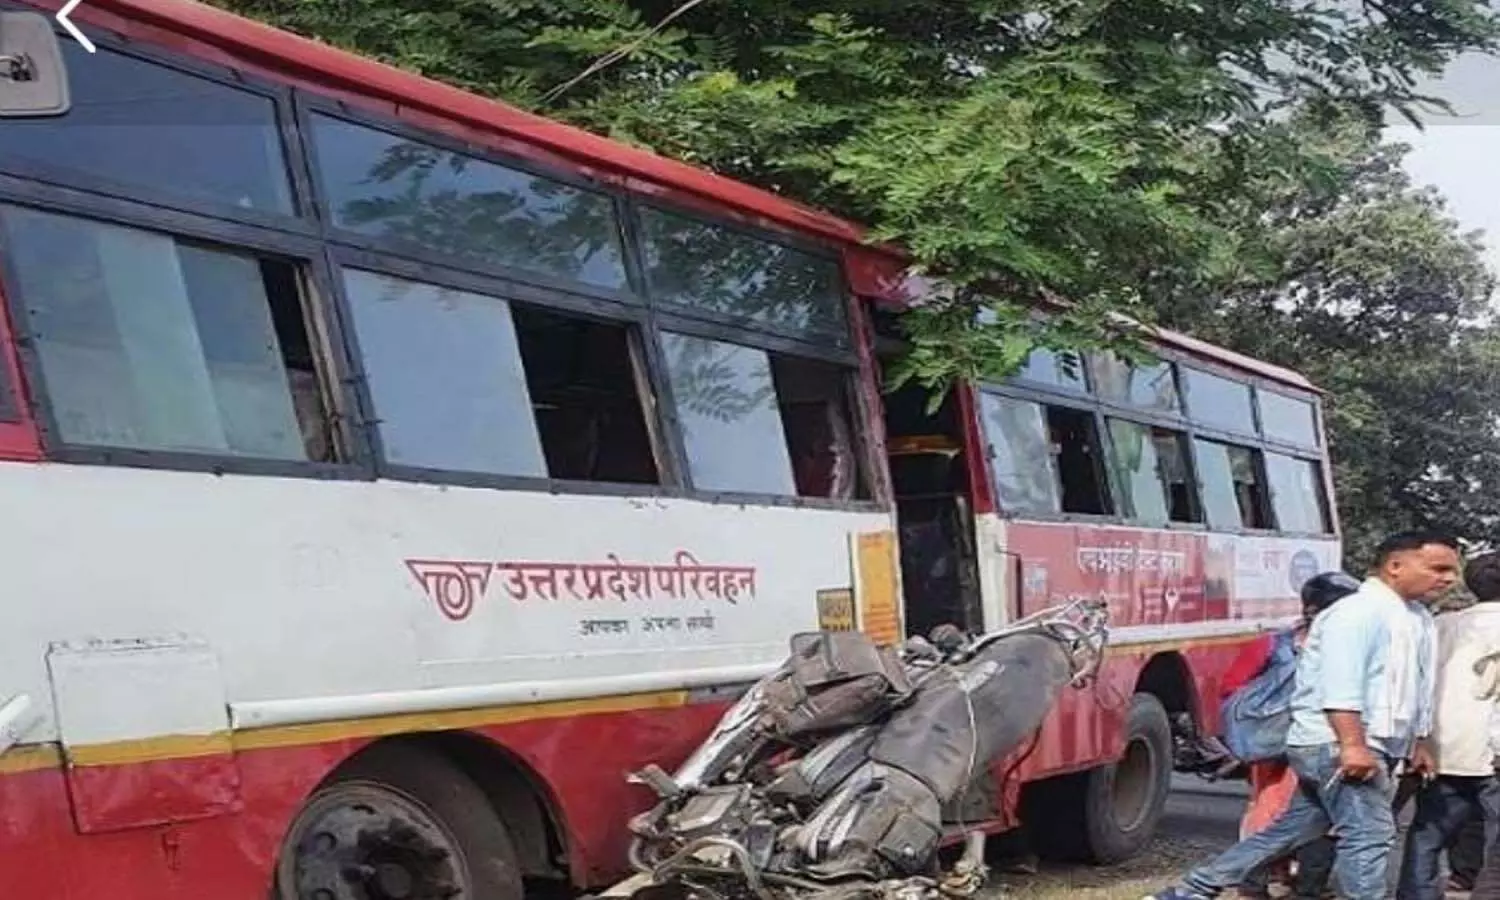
x,y
145,733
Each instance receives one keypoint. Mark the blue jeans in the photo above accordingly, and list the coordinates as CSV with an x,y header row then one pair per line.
x,y
1443,808
1358,814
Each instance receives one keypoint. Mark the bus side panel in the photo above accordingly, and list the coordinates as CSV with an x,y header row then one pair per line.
x,y
1195,596
45,856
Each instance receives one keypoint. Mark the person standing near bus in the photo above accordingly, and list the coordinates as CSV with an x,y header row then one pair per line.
x,y
1464,751
1362,704
1272,782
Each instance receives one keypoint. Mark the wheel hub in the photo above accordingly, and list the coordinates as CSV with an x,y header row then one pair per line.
x,y
369,844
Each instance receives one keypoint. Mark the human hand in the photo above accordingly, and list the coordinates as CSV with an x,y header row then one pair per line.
x,y
1423,761
1357,763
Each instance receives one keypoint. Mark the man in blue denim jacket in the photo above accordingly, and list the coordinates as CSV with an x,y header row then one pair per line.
x,y
1362,704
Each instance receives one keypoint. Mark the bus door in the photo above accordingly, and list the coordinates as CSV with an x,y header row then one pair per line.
x,y
934,513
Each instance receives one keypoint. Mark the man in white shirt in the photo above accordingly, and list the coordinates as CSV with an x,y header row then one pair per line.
x,y
1362,704
1464,740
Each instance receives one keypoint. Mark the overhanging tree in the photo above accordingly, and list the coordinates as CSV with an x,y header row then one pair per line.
x,y
1079,148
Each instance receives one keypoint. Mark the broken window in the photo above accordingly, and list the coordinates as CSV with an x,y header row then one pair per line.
x,y
1020,455
1044,459
763,423
1151,468
1080,462
815,411
149,342
1297,494
582,378
1234,495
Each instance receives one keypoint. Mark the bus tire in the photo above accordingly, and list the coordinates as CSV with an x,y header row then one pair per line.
x,y
398,821
1109,813
1123,801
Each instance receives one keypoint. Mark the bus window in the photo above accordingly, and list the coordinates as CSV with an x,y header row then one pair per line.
x,y
1218,402
582,378
148,342
1287,419
385,186
445,377
1080,461
1044,459
762,423
1063,371
816,412
1297,495
1234,495
1020,455
707,267
159,131
1151,470
1151,386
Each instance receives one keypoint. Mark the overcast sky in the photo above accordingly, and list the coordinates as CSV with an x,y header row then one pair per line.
x,y
1460,155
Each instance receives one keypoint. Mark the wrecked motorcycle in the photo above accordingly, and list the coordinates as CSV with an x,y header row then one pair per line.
x,y
830,778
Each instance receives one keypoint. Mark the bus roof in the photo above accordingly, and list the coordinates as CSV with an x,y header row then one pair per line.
x,y
198,29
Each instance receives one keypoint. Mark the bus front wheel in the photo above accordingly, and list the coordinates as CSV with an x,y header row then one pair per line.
x,y
398,821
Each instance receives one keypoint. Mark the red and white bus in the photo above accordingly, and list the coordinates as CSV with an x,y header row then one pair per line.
x,y
388,472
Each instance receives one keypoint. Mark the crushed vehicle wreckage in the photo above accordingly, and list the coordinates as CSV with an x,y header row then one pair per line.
x,y
830,777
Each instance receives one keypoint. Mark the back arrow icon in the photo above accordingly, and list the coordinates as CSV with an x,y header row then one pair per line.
x,y
79,36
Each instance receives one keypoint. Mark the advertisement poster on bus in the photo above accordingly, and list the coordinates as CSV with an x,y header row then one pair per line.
x,y
1151,577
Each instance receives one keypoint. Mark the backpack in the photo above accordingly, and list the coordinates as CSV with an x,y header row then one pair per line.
x,y
1255,719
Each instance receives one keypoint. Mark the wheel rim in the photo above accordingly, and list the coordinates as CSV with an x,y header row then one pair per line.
x,y
360,841
1134,780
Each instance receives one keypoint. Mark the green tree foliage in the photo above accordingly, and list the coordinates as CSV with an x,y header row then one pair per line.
x,y
1075,148
1366,285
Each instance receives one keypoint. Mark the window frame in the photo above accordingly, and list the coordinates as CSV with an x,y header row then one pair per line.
x,y
298,220
303,253
10,404
772,344
1313,401
1184,441
1191,430
307,105
630,317
846,342
1258,463
1172,361
1324,499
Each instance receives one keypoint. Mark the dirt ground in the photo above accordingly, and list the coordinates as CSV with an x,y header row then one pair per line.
x,y
1168,857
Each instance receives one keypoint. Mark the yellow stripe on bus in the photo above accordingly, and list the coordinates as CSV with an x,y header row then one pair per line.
x,y
33,757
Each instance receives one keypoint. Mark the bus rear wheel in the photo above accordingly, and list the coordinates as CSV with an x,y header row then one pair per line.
x,y
1118,805
399,823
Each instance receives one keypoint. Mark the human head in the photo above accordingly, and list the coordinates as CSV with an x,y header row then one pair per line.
x,y
1482,577
1418,565
1324,589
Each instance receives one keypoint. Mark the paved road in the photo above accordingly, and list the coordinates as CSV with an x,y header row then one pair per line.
x,y
1199,809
